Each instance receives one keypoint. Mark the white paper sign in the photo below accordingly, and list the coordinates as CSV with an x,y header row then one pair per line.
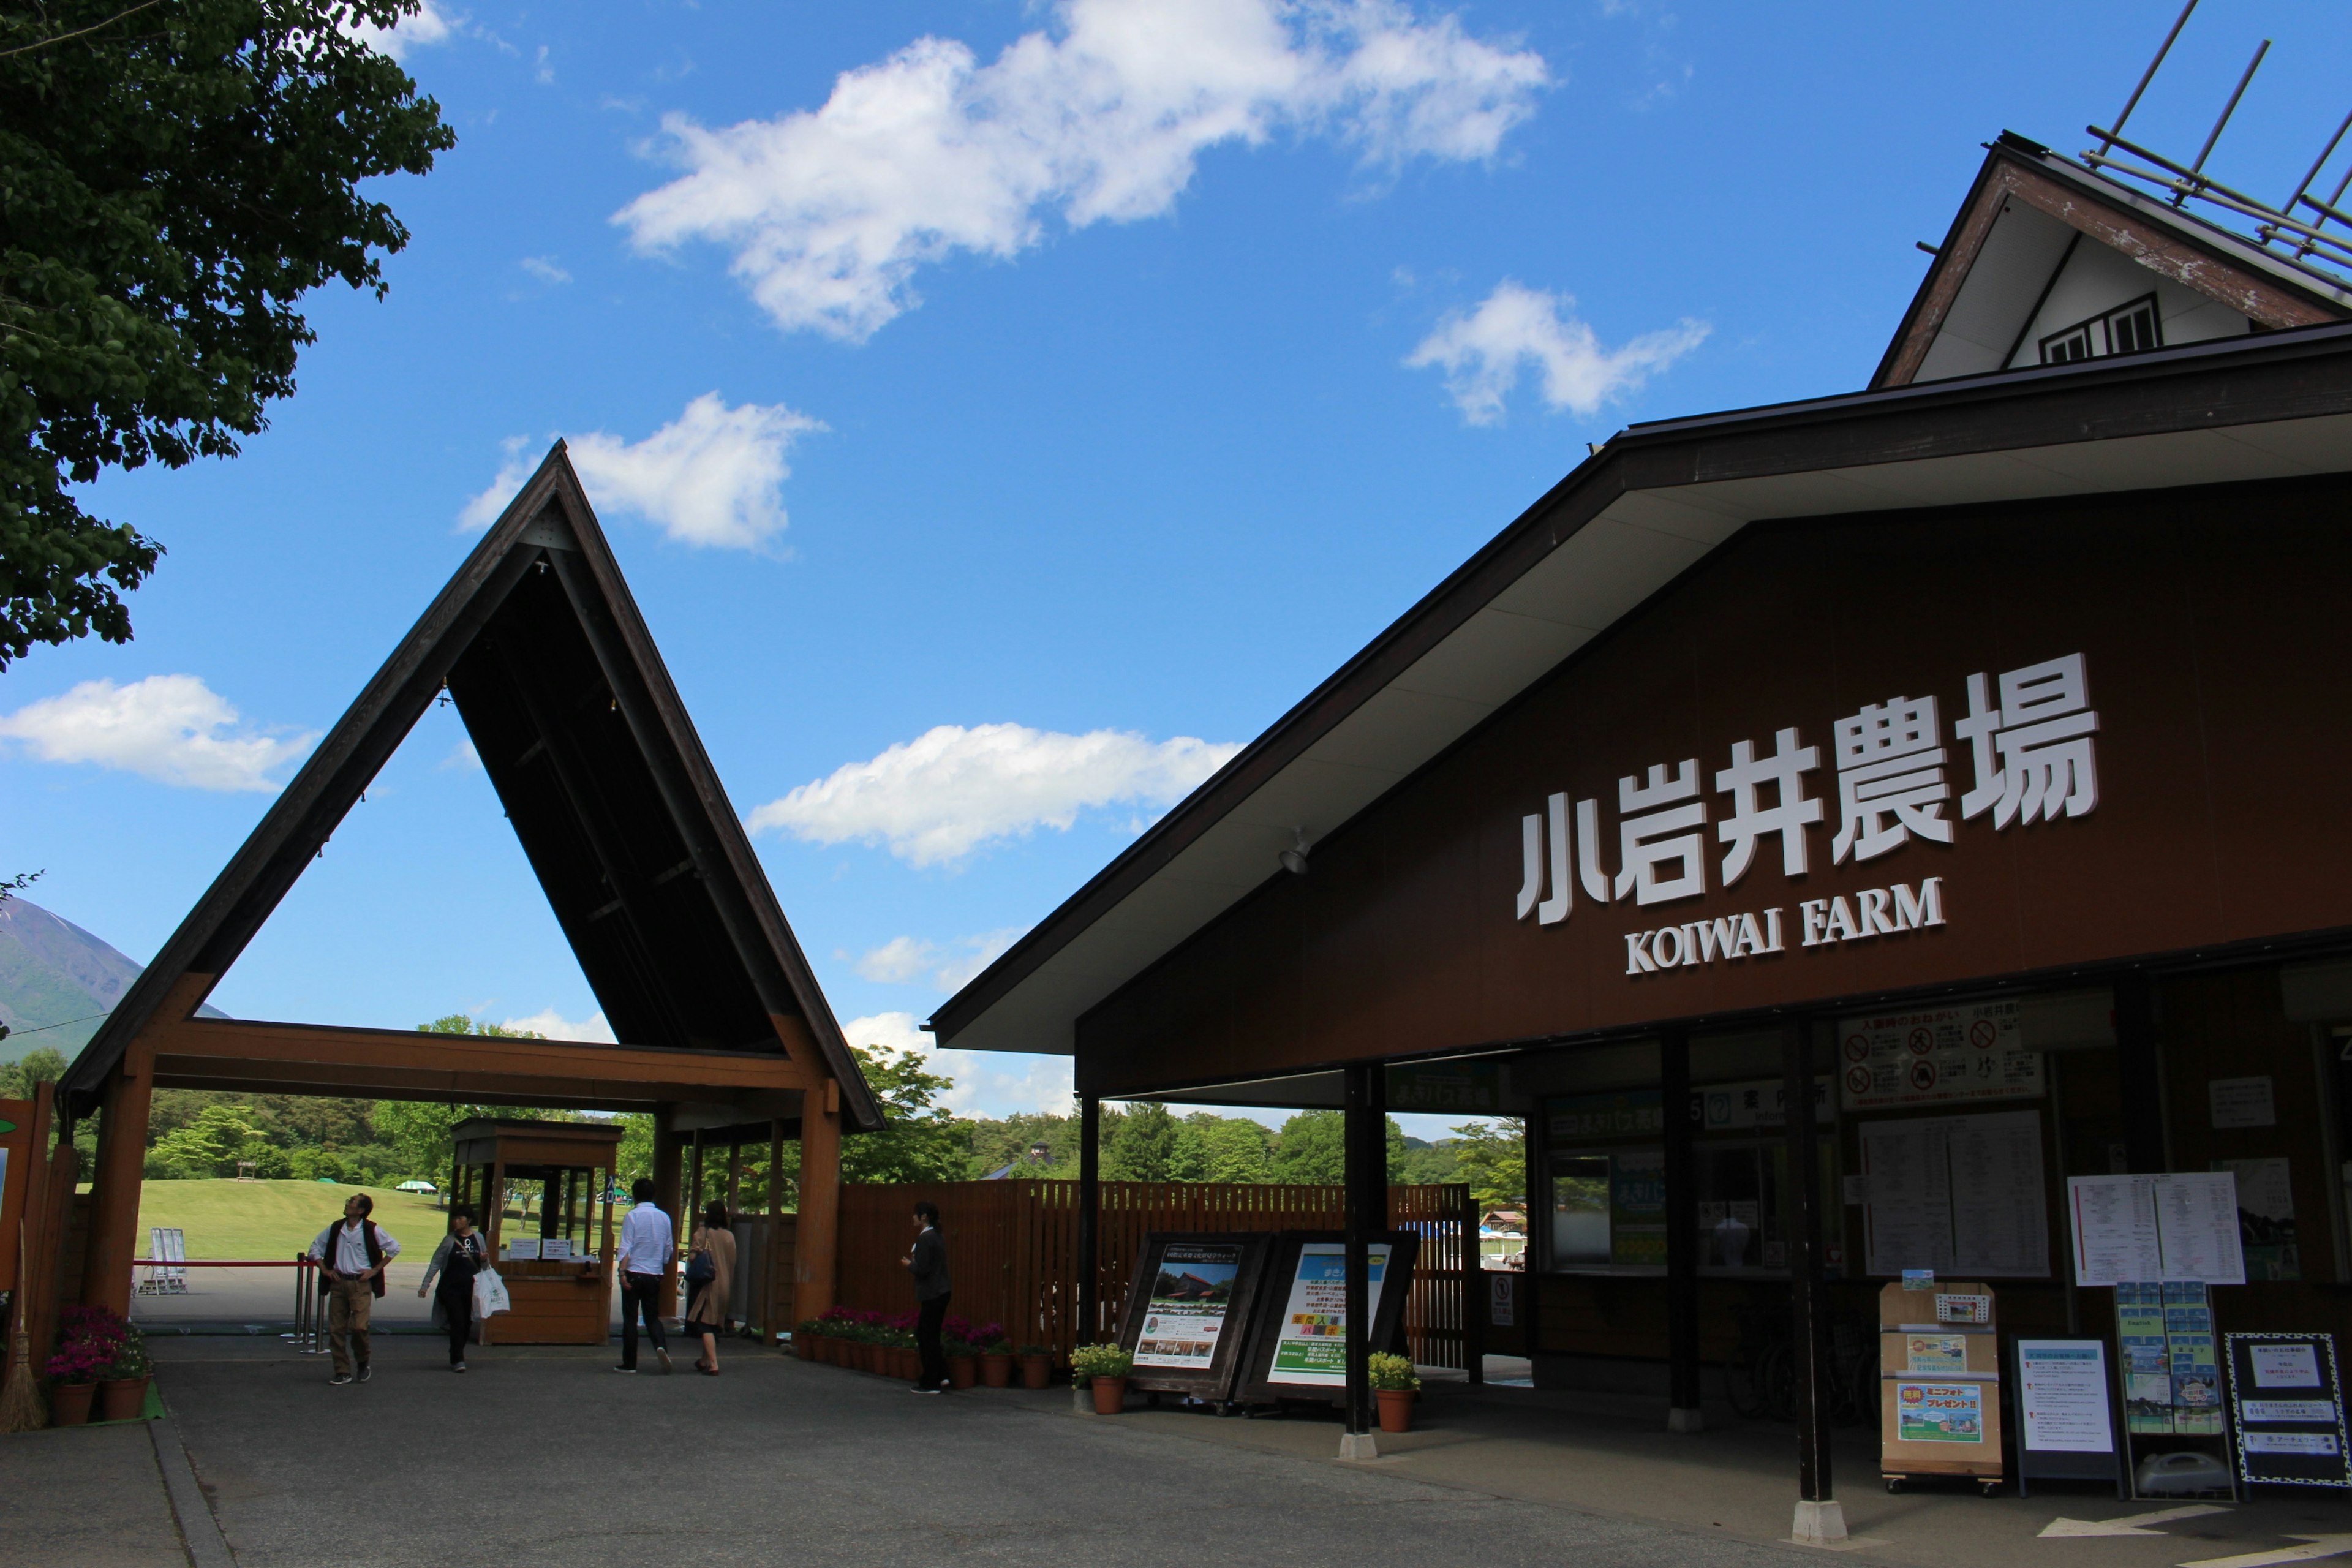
x,y
2242,1102
2288,1442
1967,1052
2286,1366
2180,1226
2286,1410
2063,1387
1957,1195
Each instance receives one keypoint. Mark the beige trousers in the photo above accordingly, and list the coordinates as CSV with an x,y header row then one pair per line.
x,y
349,1304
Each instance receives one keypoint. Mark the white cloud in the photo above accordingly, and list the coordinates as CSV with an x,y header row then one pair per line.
x,y
462,758
951,966
1482,353
544,268
171,728
1103,118
951,789
714,476
428,24
556,1027
987,1083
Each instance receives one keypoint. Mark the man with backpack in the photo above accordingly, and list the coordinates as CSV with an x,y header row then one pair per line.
x,y
352,1254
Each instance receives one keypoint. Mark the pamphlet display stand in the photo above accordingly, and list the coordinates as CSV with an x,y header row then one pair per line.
x,y
1188,1310
1298,1348
1939,1383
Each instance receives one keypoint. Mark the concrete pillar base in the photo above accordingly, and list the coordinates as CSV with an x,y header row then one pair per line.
x,y
1082,1400
1359,1445
1680,1420
1819,1523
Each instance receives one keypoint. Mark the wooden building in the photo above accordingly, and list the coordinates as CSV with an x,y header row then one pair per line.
x,y
645,864
1951,770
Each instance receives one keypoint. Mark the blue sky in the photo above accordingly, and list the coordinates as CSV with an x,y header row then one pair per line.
x,y
1004,411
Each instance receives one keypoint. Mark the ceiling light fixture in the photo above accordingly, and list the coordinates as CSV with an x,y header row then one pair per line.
x,y
1293,860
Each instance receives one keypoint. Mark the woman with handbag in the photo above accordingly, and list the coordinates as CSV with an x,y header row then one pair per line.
x,y
711,1273
456,1260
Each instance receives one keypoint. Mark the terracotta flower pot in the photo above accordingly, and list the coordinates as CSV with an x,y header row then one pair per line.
x,y
875,1358
996,1370
1396,1408
911,1363
1036,1372
122,1398
70,1404
804,1346
828,1350
1110,1396
964,1370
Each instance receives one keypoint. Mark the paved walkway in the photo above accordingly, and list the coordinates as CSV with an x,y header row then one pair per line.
x,y
543,1457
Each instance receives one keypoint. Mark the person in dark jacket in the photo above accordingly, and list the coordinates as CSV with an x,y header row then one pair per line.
x,y
927,1264
461,1254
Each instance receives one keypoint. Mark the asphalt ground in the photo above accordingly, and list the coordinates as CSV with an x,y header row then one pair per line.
x,y
543,1456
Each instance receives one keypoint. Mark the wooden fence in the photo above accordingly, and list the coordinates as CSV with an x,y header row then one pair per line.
x,y
1012,1249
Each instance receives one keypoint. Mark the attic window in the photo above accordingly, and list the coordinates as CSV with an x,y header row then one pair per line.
x,y
2126,330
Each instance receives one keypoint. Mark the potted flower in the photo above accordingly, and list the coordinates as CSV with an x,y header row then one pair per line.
x,y
122,1386
807,1333
996,1363
87,1342
1036,1366
1105,1368
963,1360
1394,1384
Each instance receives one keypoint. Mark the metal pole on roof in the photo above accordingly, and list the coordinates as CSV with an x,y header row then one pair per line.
x,y
2227,109
2316,164
2149,75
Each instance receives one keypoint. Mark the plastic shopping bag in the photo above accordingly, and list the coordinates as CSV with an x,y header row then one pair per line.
x,y
489,1294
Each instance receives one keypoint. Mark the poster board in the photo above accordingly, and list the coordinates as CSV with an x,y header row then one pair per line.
x,y
2287,1399
1936,1056
1939,1382
1299,1340
2181,1226
2066,1419
1958,1195
1188,1310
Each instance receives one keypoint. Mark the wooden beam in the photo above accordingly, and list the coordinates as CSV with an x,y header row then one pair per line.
x,y
230,1043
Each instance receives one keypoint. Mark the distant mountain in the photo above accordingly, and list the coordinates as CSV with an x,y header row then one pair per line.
x,y
57,982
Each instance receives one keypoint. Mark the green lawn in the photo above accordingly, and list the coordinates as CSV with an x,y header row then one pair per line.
x,y
270,1220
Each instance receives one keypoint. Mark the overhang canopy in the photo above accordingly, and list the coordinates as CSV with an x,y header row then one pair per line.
x,y
1621,528
645,864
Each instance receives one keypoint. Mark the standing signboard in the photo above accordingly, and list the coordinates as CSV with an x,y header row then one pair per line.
x,y
1939,1382
2287,1398
1188,1310
1299,1349
17,1157
2067,1429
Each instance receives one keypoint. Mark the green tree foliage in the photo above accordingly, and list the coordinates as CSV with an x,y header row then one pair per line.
x,y
1493,1158
922,1140
174,175
1140,1145
39,1065
209,1146
995,1145
1312,1148
1232,1148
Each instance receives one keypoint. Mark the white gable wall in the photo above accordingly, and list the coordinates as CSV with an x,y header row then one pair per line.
x,y
2095,279
2019,253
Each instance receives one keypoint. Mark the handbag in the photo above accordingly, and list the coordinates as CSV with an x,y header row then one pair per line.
x,y
700,1269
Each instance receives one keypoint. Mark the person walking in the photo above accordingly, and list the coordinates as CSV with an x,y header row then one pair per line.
x,y
927,1264
352,1254
710,1271
461,1254
648,1247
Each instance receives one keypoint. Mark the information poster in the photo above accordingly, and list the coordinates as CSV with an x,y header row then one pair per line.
x,y
1958,1195
2063,1391
1190,1293
1938,1054
2288,1398
2195,1365
2265,1217
2181,1226
1311,1346
1637,1206
1940,1411
2147,1361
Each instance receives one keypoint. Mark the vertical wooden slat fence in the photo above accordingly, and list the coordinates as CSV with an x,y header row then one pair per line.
x,y
1013,1248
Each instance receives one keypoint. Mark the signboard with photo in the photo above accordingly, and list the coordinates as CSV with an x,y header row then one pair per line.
x,y
1188,1310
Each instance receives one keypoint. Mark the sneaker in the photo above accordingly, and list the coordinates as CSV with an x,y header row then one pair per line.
x,y
457,1366
919,1388
630,1369
365,1371
665,1361
340,1379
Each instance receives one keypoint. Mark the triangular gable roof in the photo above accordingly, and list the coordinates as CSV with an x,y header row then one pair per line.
x,y
645,864
1989,278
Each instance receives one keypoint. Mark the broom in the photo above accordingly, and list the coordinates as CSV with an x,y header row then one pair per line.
x,y
22,1409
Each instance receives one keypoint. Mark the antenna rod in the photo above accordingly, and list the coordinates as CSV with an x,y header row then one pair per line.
x,y
2318,163
2227,109
2149,75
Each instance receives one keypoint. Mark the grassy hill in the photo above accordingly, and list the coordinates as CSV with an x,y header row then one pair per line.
x,y
264,1220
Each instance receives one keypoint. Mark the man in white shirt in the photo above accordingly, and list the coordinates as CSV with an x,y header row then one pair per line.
x,y
648,1247
352,1254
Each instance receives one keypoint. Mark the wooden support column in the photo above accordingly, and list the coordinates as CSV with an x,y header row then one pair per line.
x,y
1682,1234
1819,1518
771,1317
1364,1138
1089,1262
818,1244
114,1191
2139,1056
667,1153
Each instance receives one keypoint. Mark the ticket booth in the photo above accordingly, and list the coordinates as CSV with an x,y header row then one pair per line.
x,y
556,1255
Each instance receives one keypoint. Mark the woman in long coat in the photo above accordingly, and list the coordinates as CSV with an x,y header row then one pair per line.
x,y
706,1314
